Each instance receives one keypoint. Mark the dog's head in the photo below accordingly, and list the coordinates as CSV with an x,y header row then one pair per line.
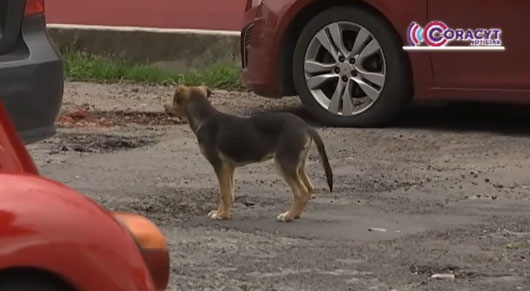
x,y
183,96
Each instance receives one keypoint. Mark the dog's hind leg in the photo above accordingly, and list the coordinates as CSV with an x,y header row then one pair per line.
x,y
225,174
289,172
304,178
302,169
308,187
232,184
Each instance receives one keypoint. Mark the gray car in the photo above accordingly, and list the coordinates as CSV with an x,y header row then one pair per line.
x,y
31,69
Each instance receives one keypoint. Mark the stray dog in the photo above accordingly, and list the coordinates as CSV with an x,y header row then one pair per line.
x,y
228,142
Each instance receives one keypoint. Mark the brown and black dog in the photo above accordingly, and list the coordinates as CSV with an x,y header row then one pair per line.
x,y
228,142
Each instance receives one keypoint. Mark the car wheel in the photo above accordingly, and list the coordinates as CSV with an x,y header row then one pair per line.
x,y
17,285
349,68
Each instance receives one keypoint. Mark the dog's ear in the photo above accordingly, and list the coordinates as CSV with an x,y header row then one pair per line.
x,y
207,91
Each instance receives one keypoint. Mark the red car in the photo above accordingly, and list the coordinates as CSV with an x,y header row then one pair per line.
x,y
359,63
52,238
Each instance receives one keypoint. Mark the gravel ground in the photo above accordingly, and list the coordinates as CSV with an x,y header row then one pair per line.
x,y
444,192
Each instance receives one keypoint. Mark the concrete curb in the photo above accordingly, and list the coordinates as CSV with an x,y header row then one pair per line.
x,y
173,48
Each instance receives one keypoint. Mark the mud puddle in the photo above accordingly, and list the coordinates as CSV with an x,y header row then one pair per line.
x,y
88,118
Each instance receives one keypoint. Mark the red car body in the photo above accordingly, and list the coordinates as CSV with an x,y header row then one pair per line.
x,y
50,229
271,30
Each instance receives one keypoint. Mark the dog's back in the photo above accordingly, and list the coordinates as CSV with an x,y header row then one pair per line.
x,y
253,139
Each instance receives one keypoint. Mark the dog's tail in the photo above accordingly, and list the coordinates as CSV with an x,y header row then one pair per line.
x,y
323,156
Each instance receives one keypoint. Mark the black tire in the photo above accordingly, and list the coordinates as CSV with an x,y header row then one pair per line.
x,y
33,284
397,90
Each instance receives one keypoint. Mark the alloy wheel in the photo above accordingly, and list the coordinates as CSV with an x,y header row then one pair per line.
x,y
345,68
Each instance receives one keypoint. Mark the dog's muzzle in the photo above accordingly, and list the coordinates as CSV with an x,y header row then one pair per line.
x,y
167,109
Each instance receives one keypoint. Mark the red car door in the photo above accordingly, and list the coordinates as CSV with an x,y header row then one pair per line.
x,y
509,69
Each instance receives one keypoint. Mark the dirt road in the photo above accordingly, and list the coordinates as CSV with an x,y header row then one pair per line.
x,y
447,191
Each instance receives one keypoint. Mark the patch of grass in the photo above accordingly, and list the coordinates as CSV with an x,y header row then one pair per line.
x,y
81,66
516,245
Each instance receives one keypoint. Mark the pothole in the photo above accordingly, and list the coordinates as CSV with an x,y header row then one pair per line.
x,y
168,203
98,143
88,118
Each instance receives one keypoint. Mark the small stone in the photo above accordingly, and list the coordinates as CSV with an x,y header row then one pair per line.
x,y
377,229
443,276
487,180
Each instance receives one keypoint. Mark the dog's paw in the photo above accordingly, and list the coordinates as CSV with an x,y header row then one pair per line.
x,y
284,217
216,215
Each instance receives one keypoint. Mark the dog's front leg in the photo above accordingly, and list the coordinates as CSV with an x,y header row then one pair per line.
x,y
225,174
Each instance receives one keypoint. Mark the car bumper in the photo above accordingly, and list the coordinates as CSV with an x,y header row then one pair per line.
x,y
257,54
31,86
91,250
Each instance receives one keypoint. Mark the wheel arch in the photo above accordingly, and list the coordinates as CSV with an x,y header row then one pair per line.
x,y
39,275
295,27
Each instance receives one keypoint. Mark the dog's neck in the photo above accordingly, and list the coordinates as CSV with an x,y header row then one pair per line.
x,y
196,128
198,113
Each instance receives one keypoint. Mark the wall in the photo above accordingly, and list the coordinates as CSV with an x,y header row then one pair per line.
x,y
195,14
